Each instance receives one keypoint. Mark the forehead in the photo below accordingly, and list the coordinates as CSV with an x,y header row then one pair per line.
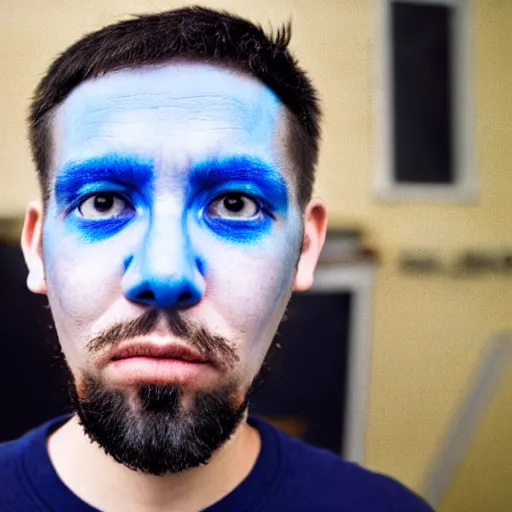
x,y
176,114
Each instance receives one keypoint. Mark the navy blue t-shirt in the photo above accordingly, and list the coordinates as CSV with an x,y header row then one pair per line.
x,y
288,476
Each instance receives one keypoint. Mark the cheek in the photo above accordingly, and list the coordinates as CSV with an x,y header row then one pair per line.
x,y
83,281
250,286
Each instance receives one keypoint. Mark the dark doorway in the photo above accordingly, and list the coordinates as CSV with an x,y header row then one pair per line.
x,y
305,389
32,384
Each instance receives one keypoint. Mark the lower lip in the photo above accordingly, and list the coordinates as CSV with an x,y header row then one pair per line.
x,y
134,370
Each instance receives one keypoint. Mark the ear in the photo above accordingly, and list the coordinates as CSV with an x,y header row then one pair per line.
x,y
315,226
32,247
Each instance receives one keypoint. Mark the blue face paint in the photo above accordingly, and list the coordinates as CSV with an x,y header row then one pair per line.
x,y
115,168
126,178
171,142
250,177
129,180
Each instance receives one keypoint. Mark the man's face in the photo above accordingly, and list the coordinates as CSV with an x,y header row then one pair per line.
x,y
172,195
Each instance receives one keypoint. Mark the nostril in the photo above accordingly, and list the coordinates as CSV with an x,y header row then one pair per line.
x,y
147,295
184,297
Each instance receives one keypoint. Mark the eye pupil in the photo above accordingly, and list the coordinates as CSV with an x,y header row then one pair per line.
x,y
103,202
233,203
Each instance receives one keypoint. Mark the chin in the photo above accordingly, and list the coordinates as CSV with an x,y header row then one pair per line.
x,y
159,428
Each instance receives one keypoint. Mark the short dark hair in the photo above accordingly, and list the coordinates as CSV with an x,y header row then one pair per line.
x,y
193,33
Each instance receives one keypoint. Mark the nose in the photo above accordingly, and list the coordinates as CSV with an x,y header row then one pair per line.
x,y
164,270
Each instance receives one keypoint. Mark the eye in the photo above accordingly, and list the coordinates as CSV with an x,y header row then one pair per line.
x,y
102,206
234,206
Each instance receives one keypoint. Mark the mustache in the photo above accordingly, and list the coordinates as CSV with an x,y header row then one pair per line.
x,y
211,346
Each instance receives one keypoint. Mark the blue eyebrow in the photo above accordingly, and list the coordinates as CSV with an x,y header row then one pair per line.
x,y
269,179
115,168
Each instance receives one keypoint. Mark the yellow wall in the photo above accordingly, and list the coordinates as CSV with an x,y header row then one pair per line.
x,y
482,481
428,331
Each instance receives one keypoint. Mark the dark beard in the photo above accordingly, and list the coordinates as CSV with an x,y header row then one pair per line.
x,y
157,436
150,431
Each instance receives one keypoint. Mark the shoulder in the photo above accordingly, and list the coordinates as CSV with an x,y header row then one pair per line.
x,y
11,453
31,444
12,484
347,483
321,480
18,460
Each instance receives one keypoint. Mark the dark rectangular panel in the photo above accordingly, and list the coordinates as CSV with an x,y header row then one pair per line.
x,y
33,385
305,386
422,92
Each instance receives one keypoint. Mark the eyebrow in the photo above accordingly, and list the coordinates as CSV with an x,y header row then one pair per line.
x,y
138,171
237,168
123,169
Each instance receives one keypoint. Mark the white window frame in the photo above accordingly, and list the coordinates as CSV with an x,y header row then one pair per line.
x,y
385,186
356,279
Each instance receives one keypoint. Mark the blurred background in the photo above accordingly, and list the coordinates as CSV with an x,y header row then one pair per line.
x,y
413,298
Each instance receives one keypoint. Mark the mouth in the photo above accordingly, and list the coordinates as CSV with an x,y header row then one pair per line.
x,y
164,363
157,351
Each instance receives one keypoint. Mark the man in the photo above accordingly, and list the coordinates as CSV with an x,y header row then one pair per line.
x,y
175,154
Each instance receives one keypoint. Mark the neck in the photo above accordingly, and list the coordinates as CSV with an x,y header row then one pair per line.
x,y
107,485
